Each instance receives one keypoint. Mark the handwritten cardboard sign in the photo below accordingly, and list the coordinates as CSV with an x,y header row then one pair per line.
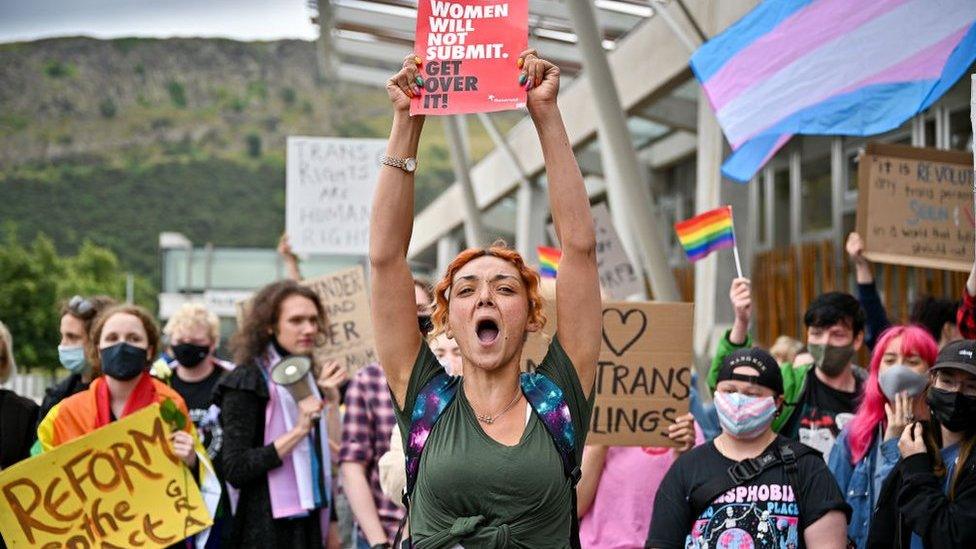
x,y
329,190
349,335
915,206
120,486
643,377
618,278
470,50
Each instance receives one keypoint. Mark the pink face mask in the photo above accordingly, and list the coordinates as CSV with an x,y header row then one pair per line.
x,y
744,416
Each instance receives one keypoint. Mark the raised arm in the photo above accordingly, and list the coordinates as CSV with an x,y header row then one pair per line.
x,y
578,304
394,310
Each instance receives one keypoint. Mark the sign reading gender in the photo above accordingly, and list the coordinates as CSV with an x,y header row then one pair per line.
x,y
329,191
469,50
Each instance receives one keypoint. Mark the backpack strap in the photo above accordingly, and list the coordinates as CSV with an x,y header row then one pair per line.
x,y
786,453
432,400
546,399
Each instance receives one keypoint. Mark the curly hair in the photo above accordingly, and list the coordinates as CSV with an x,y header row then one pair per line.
x,y
257,330
500,250
148,324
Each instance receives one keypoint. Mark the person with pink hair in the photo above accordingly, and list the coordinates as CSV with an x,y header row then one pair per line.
x,y
867,447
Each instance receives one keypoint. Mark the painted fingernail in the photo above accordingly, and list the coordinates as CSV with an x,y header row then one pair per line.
x,y
417,60
415,90
523,78
521,62
538,81
409,93
528,86
419,80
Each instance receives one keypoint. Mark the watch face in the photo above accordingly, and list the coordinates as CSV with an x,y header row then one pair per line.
x,y
410,164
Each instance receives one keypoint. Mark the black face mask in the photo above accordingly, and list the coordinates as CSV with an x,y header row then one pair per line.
x,y
954,411
123,361
190,355
426,324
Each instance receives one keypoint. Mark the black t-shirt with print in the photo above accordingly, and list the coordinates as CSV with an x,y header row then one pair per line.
x,y
766,512
822,414
203,412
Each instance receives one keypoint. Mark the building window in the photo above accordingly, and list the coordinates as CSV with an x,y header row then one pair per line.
x,y
781,211
815,185
960,130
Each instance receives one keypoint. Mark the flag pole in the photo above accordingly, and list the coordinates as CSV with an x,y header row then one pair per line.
x,y
735,246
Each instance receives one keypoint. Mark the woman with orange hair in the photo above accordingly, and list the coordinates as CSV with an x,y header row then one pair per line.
x,y
489,475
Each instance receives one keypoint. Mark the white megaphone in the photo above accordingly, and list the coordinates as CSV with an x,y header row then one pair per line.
x,y
290,373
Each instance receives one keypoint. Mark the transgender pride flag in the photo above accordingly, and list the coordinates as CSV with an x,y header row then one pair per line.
x,y
849,67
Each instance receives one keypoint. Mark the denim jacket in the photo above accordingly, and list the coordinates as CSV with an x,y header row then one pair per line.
x,y
861,482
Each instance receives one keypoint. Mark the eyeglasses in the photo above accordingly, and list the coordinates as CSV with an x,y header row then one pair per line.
x,y
80,306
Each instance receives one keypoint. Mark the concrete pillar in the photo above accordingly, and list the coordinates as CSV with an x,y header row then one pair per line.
x,y
474,230
447,249
531,215
326,55
707,197
627,189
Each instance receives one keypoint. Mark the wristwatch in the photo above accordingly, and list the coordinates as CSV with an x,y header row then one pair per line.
x,y
406,164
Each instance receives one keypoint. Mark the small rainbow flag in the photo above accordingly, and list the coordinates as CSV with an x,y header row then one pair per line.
x,y
704,233
548,261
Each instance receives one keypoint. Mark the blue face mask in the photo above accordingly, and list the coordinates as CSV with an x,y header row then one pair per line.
x,y
73,358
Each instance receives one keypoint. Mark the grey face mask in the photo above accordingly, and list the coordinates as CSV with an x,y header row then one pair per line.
x,y
831,359
900,378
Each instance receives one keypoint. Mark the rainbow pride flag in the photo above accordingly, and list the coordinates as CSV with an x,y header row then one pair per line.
x,y
705,233
548,261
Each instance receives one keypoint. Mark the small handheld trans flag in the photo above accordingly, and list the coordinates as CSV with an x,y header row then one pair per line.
x,y
707,232
548,261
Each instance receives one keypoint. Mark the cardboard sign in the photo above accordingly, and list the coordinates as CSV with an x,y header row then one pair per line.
x,y
470,51
329,191
915,206
643,380
120,486
618,278
349,335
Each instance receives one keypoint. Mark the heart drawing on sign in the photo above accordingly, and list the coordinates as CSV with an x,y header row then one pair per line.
x,y
621,330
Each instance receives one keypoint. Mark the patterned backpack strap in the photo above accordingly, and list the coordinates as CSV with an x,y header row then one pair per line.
x,y
546,398
431,403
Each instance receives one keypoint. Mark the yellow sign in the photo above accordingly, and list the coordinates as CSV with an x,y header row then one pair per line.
x,y
120,486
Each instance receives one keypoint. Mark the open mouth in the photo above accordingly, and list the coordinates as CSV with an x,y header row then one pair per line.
x,y
487,331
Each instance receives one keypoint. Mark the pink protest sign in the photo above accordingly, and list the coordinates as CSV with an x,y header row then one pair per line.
x,y
469,50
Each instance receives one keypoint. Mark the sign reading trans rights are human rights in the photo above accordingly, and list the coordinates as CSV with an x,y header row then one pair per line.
x,y
469,50
329,189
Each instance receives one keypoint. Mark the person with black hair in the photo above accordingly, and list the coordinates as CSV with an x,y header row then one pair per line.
x,y
929,499
819,397
938,317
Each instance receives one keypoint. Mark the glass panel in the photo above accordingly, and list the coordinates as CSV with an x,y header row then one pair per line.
x,y
852,165
815,202
960,130
781,209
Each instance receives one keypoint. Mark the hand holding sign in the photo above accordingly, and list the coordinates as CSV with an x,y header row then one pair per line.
x,y
405,85
540,78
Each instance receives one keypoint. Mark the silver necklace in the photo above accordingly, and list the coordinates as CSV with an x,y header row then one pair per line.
x,y
489,419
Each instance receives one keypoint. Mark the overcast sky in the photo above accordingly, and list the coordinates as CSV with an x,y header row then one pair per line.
x,y
238,19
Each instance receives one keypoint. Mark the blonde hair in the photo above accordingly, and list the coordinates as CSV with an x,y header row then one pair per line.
x,y
192,315
8,366
785,349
